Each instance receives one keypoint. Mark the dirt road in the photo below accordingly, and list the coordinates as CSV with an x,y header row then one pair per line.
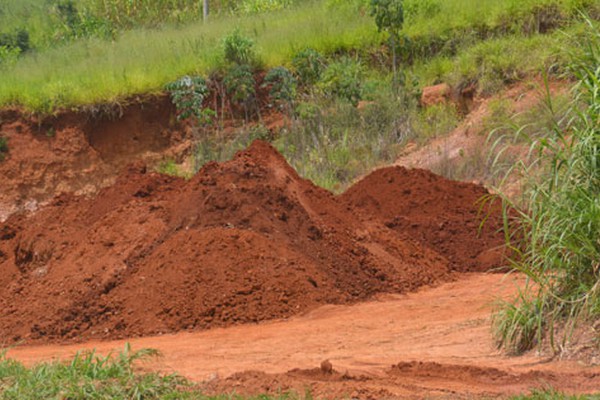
x,y
433,343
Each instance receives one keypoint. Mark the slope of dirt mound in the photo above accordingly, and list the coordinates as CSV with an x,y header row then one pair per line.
x,y
440,214
243,241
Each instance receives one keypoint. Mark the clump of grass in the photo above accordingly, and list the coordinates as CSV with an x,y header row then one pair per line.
x,y
88,375
91,376
553,230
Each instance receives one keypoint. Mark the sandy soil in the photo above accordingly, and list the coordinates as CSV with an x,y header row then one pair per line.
x,y
433,343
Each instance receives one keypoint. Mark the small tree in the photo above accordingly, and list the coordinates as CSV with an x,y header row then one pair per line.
x,y
389,17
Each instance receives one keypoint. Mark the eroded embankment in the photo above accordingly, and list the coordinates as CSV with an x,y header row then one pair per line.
x,y
81,152
241,242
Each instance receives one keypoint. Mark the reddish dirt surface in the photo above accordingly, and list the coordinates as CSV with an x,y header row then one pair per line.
x,y
81,152
434,343
442,215
241,242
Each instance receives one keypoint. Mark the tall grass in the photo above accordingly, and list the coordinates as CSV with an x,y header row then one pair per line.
x,y
553,231
141,61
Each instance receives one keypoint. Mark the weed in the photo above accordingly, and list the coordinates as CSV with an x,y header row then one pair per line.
x,y
238,49
188,94
309,64
343,79
282,88
552,234
241,86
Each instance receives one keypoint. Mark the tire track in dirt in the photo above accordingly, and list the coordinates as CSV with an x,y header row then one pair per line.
x,y
434,343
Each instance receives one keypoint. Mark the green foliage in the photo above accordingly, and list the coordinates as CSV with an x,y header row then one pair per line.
x,y
259,6
9,55
88,375
309,64
554,235
188,94
282,86
388,14
224,147
240,83
91,376
343,79
169,167
19,39
238,49
76,24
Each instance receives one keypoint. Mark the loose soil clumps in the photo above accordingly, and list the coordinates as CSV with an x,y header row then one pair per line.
x,y
442,215
243,241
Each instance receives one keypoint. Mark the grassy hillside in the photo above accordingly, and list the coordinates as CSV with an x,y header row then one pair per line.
x,y
138,55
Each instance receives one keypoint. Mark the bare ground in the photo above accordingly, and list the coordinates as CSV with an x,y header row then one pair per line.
x,y
435,343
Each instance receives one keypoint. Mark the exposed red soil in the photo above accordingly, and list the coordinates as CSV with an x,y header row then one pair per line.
x,y
430,344
81,152
442,215
243,241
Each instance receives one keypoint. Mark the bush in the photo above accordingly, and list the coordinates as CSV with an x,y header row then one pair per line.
x,y
241,86
238,49
309,64
18,39
343,79
188,94
282,87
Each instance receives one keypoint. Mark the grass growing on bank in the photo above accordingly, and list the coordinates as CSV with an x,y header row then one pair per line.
x,y
142,61
91,70
554,235
91,376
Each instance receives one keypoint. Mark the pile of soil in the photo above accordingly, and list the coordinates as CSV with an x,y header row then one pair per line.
x,y
243,241
442,215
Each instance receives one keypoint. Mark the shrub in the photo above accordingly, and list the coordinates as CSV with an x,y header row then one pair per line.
x,y
188,94
18,39
241,86
282,87
309,65
238,49
343,79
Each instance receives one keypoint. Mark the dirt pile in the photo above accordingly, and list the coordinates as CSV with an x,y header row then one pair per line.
x,y
442,215
243,241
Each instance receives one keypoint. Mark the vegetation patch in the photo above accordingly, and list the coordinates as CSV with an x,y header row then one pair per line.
x,y
552,231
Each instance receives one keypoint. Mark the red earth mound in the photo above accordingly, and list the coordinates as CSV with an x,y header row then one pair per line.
x,y
243,241
442,215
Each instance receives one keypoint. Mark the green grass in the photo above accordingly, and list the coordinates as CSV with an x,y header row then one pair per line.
x,y
91,376
553,230
142,61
